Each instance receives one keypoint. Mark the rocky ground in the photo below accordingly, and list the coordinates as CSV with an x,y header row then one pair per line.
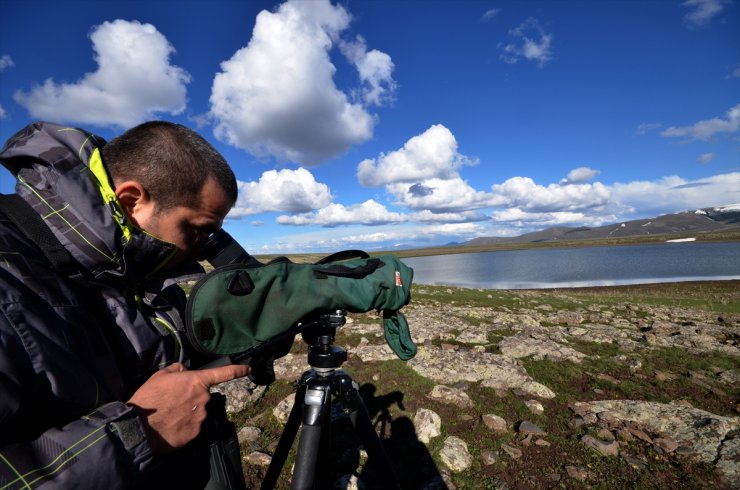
x,y
632,387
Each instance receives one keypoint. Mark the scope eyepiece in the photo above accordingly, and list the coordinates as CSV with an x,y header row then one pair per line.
x,y
221,249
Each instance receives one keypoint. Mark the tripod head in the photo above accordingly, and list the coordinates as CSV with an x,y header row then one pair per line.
x,y
323,355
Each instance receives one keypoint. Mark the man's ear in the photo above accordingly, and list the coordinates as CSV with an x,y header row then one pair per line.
x,y
133,198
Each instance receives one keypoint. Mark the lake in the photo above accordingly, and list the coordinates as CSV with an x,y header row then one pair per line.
x,y
580,267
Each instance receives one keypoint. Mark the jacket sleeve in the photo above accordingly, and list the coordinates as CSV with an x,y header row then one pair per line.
x,y
106,448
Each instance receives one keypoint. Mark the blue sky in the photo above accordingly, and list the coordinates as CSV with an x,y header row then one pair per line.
x,y
377,124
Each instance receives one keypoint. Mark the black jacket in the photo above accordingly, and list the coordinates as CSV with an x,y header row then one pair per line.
x,y
72,352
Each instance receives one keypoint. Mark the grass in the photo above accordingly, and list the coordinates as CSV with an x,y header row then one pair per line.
x,y
715,296
393,392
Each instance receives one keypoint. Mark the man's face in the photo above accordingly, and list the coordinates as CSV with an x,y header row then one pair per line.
x,y
185,226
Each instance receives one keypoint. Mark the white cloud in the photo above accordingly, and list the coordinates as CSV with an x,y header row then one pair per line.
x,y
451,229
490,14
705,158
735,73
702,11
644,128
524,193
294,191
380,238
277,97
375,69
532,43
440,195
335,239
529,220
369,213
432,154
673,193
427,216
3,114
519,205
5,62
579,175
133,82
706,129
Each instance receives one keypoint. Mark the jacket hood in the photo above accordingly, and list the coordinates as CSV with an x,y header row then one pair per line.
x,y
60,173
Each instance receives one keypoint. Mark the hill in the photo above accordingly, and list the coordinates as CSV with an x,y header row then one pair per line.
x,y
697,221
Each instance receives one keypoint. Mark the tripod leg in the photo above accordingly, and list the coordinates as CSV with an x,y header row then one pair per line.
x,y
286,440
313,440
351,401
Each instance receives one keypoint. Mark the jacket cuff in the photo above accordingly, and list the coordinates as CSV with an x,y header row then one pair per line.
x,y
121,421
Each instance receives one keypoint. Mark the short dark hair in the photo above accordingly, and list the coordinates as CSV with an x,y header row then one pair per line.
x,y
171,161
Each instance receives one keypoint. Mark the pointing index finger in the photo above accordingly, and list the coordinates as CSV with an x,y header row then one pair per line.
x,y
214,376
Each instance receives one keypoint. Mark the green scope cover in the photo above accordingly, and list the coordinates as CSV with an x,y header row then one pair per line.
x,y
237,308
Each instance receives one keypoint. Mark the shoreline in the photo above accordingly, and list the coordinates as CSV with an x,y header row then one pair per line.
x,y
713,237
576,286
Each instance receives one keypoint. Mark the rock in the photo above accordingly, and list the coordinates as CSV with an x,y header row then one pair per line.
x,y
577,331
452,396
349,482
541,443
634,462
290,367
248,434
523,345
692,427
534,406
606,448
634,364
607,417
454,454
640,435
530,388
258,458
495,423
282,410
624,435
667,445
474,335
428,425
526,428
494,370
513,452
731,377
566,318
729,461
239,393
488,458
370,353
605,435
578,473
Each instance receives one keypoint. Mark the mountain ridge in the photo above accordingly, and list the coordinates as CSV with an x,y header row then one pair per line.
x,y
701,220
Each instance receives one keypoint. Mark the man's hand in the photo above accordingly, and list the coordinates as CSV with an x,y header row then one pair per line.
x,y
172,402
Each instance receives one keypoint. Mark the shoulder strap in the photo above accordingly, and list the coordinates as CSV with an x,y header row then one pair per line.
x,y
343,255
22,215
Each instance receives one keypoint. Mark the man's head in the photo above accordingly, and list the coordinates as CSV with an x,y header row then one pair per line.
x,y
171,183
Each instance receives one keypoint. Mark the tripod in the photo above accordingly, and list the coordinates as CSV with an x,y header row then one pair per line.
x,y
311,412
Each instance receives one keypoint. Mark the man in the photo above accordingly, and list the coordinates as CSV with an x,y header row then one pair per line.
x,y
95,390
